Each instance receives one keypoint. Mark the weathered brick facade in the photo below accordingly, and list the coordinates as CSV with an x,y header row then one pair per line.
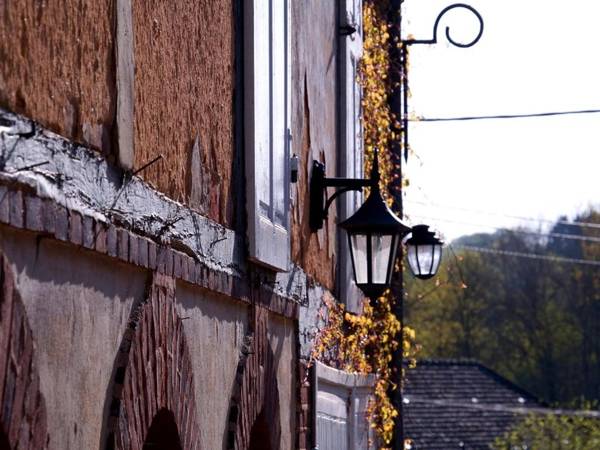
x,y
129,298
153,373
255,394
145,350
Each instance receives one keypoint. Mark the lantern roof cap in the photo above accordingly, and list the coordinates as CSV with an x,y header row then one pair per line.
x,y
374,216
422,236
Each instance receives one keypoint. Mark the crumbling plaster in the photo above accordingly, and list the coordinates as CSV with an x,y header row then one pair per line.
x,y
77,305
215,332
79,179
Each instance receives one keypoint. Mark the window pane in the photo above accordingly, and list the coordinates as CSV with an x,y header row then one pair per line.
x,y
359,255
382,246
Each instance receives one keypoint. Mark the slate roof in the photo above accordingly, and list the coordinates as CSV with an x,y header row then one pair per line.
x,y
460,404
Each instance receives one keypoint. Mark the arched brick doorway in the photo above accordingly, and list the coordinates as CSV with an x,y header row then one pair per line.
x,y
260,434
153,400
23,409
163,433
4,445
254,413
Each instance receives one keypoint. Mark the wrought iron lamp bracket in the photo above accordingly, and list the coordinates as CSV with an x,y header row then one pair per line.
x,y
319,202
404,59
434,39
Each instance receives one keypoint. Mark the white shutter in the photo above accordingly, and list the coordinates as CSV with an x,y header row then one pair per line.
x,y
341,409
351,136
266,123
332,417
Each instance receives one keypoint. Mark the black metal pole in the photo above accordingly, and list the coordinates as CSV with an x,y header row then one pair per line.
x,y
397,68
398,102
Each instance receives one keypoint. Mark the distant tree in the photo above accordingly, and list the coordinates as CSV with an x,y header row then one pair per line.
x,y
535,321
552,432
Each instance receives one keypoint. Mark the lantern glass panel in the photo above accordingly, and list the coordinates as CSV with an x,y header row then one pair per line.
x,y
358,247
411,254
425,256
392,260
437,258
381,245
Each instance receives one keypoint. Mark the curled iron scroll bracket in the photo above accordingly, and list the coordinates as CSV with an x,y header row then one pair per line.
x,y
448,36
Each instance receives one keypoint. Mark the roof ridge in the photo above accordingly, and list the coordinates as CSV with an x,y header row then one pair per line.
x,y
472,362
448,362
511,385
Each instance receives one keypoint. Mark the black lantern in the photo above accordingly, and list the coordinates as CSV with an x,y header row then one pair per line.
x,y
424,252
374,233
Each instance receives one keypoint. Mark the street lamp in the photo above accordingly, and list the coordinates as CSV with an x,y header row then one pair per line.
x,y
374,232
424,252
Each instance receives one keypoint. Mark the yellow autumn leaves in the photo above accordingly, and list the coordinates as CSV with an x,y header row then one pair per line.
x,y
365,343
373,77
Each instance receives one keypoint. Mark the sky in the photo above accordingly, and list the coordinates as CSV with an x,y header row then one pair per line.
x,y
534,56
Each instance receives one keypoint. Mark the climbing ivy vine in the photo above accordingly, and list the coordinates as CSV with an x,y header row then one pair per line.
x,y
365,343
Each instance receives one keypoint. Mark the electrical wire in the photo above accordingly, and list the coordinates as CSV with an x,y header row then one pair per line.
x,y
559,259
517,231
508,216
503,116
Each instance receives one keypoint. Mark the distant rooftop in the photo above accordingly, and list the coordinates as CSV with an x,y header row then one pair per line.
x,y
460,404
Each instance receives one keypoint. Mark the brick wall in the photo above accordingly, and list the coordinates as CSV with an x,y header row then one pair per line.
x,y
304,416
255,392
22,406
153,373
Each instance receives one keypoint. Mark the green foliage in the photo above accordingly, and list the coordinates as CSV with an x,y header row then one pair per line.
x,y
552,432
536,322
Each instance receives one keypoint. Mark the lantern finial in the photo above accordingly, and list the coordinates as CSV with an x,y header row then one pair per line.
x,y
375,176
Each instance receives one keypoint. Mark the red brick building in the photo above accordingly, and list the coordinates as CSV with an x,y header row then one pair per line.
x,y
160,283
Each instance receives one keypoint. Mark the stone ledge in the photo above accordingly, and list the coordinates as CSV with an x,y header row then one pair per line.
x,y
50,220
86,194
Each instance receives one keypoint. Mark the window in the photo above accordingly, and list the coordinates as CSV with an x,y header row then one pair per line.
x,y
266,129
351,139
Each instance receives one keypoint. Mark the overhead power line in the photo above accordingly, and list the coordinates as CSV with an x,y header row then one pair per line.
x,y
508,216
559,259
504,116
517,231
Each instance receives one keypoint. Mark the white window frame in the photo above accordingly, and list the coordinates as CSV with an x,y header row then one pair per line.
x,y
351,142
267,107
342,400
